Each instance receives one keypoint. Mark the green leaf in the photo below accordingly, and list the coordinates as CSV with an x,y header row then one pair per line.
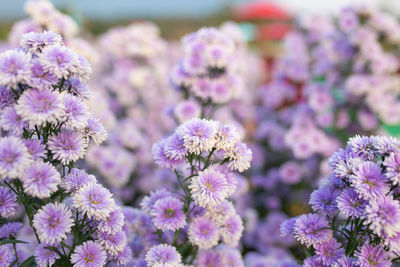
x,y
11,241
29,262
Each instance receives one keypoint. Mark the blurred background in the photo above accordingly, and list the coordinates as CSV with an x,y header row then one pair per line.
x,y
177,17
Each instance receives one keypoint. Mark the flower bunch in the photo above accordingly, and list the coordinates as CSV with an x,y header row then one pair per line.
x,y
208,72
70,217
356,210
202,153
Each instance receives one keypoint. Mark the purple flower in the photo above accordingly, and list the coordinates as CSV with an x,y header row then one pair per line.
x,y
14,68
76,179
368,181
163,255
324,200
76,112
210,257
8,202
14,157
186,110
311,229
53,222
345,262
209,188
6,255
174,147
312,261
40,179
38,107
287,227
198,135
7,97
35,148
161,157
370,256
239,156
149,201
227,136
59,60
113,243
123,257
203,232
89,254
231,231
167,214
10,230
12,122
113,223
363,146
40,78
95,131
67,146
45,257
290,172
350,204
392,164
383,216
329,251
94,200
35,42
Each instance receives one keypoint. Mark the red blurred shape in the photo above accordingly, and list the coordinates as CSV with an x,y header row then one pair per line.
x,y
260,10
272,31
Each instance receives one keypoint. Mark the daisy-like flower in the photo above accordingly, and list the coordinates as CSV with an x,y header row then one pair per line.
x,y
392,164
35,148
329,251
89,254
112,243
12,122
227,136
198,135
221,212
76,179
311,229
231,232
370,256
203,232
40,179
94,131
161,157
363,146
113,223
35,42
163,255
123,257
186,110
76,113
149,201
45,257
10,230
7,97
345,262
94,200
383,216
287,227
6,255
38,107
53,222
209,188
239,157
14,68
40,78
8,202
167,214
174,147
14,157
368,181
350,204
58,60
67,146
324,200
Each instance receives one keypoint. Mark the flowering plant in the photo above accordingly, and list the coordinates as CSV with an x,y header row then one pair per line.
x,y
356,210
70,218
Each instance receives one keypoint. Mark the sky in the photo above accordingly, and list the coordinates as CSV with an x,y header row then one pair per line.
x,y
111,9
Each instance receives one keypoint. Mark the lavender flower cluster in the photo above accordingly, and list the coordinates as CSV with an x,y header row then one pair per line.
x,y
202,153
69,218
356,210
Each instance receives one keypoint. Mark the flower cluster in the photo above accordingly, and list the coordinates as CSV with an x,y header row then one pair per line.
x,y
199,215
208,72
70,217
356,209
